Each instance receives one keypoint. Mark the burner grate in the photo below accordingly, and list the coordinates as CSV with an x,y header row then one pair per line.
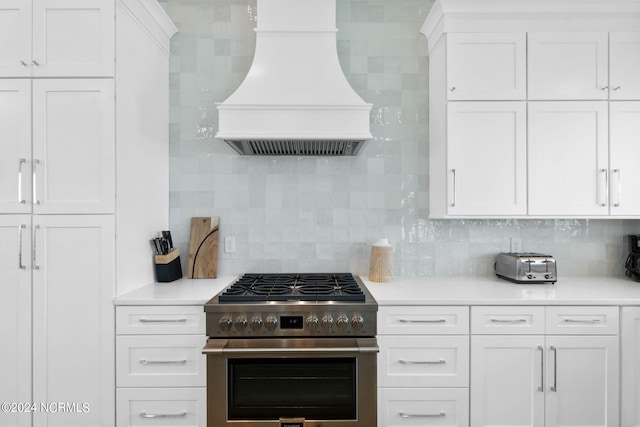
x,y
293,287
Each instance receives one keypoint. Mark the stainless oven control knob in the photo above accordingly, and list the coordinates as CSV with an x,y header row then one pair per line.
x,y
255,323
241,323
342,322
357,322
312,322
225,323
327,322
270,323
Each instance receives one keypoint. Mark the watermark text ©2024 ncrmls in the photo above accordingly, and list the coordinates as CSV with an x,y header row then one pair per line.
x,y
46,407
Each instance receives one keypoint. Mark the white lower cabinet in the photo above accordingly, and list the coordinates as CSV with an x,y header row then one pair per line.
x,y
160,370
630,357
547,380
423,366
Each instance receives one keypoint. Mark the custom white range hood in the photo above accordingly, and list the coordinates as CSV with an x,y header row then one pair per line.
x,y
295,100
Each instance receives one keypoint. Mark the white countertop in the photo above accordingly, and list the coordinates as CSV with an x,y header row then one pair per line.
x,y
181,292
495,291
424,291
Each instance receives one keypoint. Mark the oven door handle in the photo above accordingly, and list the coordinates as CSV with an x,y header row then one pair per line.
x,y
223,346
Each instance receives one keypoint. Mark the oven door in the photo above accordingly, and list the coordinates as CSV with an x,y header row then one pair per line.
x,y
310,382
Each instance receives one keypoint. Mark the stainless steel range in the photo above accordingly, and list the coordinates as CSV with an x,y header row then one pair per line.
x,y
292,350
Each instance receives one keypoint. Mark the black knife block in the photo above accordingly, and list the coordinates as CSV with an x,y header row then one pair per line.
x,y
168,266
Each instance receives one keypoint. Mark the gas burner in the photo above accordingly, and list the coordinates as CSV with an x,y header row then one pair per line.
x,y
293,287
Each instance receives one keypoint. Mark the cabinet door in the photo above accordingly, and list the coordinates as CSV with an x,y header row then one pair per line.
x,y
73,146
486,158
15,38
73,38
73,320
15,145
507,380
568,66
624,150
582,381
624,65
568,158
470,76
15,317
630,349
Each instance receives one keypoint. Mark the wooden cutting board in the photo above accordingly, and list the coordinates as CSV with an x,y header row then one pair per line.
x,y
203,248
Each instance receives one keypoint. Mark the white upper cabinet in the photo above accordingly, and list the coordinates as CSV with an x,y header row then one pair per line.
x,y
568,158
57,38
486,159
15,145
624,65
624,152
568,66
483,66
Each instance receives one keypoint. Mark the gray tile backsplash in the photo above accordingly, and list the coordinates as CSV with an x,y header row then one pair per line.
x,y
322,214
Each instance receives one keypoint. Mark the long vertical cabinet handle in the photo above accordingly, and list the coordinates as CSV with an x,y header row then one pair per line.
x,y
35,185
617,186
21,162
541,386
35,251
554,386
21,228
603,191
453,186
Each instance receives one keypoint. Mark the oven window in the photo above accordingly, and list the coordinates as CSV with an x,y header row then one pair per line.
x,y
315,389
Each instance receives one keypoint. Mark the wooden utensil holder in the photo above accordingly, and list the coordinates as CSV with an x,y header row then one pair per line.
x,y
380,269
168,266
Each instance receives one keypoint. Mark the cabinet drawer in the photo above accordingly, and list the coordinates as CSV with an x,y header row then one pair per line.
x,y
435,361
572,320
144,320
424,407
414,320
507,320
177,407
157,361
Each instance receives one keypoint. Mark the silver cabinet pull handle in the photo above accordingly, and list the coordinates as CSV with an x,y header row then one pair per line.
x,y
422,362
163,362
438,415
24,64
554,386
36,63
606,187
519,320
616,88
453,88
453,173
619,187
21,266
182,320
34,262
423,321
35,185
590,321
541,386
178,415
21,162
604,88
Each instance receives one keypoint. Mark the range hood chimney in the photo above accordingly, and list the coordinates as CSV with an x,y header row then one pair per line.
x,y
295,100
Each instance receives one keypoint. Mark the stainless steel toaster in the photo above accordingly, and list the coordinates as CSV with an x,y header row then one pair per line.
x,y
526,267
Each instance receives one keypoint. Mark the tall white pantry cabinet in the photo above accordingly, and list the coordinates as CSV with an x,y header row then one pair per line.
x,y
84,105
532,114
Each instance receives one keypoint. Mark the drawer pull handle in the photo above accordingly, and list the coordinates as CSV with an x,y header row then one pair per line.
x,y
422,362
423,321
178,415
162,320
163,362
582,321
520,320
438,415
